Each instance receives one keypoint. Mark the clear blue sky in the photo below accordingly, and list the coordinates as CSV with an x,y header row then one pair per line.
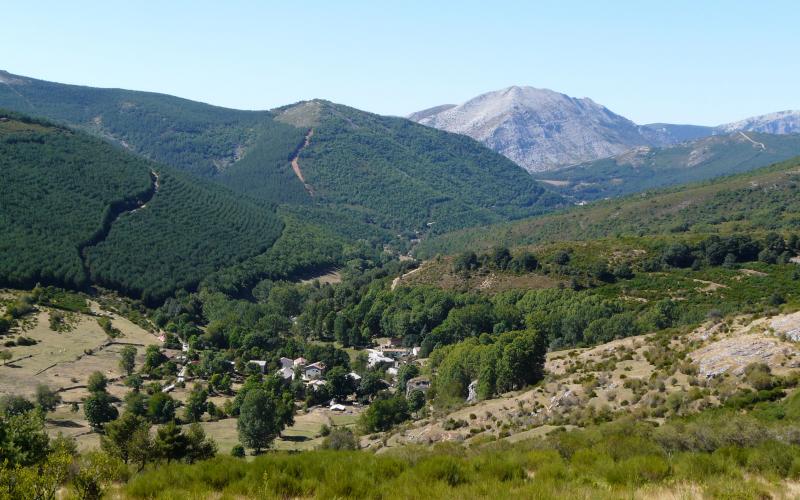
x,y
703,62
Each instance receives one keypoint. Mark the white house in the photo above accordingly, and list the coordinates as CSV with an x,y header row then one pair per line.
x,y
314,371
375,358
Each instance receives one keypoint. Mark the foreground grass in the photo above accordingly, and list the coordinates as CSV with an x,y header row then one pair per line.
x,y
724,453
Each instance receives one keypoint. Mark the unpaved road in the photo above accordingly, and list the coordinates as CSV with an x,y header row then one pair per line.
x,y
296,163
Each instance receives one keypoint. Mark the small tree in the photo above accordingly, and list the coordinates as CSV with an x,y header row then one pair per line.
x,y
142,449
119,433
340,438
342,385
416,401
46,398
127,359
5,356
170,442
161,408
198,446
99,410
97,382
196,403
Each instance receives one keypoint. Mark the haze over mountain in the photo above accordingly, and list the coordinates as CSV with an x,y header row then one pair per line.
x,y
543,130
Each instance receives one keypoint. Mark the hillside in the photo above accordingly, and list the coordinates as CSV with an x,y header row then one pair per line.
x,y
380,171
404,175
764,199
537,128
189,135
646,168
78,210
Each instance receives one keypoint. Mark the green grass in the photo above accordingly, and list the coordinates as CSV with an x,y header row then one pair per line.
x,y
719,453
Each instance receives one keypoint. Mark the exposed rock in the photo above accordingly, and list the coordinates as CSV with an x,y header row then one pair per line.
x,y
538,128
782,122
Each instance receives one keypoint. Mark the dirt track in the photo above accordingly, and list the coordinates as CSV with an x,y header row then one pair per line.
x,y
296,163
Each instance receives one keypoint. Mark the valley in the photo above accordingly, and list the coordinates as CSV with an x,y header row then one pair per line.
x,y
315,301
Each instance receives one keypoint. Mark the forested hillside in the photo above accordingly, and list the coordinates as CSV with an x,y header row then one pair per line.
x,y
58,189
143,228
406,175
189,135
651,168
389,173
765,199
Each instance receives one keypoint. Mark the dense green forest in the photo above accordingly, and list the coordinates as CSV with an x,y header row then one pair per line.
x,y
187,231
651,168
390,173
58,190
407,175
762,200
143,228
189,135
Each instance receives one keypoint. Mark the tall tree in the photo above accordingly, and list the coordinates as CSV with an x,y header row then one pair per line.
x,y
258,420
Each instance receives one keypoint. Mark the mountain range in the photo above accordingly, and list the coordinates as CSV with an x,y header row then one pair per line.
x,y
646,167
543,130
317,156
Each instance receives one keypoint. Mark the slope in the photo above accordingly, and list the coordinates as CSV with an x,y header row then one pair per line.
x,y
648,168
537,128
764,199
193,136
78,210
407,176
367,169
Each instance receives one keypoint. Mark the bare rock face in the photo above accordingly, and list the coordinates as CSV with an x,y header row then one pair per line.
x,y
537,128
782,122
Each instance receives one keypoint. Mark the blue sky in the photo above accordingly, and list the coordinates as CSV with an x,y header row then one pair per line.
x,y
703,62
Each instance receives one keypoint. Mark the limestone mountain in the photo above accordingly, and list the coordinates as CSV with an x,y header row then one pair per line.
x,y
781,122
539,129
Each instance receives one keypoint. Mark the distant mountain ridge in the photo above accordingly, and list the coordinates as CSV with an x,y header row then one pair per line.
x,y
361,169
539,129
781,122
542,130
645,168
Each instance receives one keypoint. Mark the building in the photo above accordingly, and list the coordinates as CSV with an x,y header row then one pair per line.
x,y
422,384
395,352
262,365
314,371
286,373
287,363
376,358
300,362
